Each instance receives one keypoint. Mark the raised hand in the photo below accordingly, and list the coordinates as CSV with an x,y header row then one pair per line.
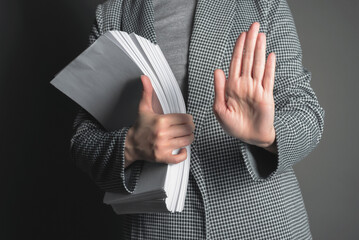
x,y
154,136
244,103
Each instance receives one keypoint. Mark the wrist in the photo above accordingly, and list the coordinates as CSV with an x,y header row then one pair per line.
x,y
129,149
272,147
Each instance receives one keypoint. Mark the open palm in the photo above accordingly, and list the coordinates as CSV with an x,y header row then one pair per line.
x,y
244,103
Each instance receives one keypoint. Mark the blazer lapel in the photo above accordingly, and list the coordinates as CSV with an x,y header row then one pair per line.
x,y
212,23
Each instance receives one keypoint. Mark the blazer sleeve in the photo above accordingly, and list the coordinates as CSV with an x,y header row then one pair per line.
x,y
98,152
299,119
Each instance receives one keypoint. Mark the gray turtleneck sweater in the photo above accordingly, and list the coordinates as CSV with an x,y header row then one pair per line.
x,y
173,27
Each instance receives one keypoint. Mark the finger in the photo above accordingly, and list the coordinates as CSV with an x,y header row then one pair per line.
x,y
176,118
269,74
219,89
175,143
145,104
259,57
180,130
235,66
179,157
249,47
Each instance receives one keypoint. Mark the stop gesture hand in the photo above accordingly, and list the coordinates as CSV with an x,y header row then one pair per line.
x,y
244,103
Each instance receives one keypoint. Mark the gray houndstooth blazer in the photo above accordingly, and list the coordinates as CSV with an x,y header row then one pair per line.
x,y
235,191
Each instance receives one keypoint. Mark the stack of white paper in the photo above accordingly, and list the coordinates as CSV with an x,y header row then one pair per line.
x,y
105,81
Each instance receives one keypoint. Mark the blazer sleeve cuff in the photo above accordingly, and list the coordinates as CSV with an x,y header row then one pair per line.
x,y
131,174
261,164
293,144
100,154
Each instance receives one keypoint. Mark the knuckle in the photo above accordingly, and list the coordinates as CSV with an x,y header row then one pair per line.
x,y
160,133
190,117
192,127
188,127
160,144
184,141
192,138
161,121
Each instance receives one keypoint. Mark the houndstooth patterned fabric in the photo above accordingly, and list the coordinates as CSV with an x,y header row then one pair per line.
x,y
235,190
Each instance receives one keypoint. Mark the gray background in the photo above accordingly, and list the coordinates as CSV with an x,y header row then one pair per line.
x,y
44,196
329,179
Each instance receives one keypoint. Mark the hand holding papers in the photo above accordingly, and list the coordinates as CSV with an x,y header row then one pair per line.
x,y
154,136
105,81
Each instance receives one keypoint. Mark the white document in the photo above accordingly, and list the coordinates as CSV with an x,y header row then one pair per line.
x,y
105,81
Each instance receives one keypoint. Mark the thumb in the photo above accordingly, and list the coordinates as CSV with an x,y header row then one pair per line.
x,y
219,89
145,104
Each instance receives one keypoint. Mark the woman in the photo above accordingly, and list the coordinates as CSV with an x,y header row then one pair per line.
x,y
249,120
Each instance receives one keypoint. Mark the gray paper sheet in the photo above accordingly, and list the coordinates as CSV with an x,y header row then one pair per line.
x,y
104,81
